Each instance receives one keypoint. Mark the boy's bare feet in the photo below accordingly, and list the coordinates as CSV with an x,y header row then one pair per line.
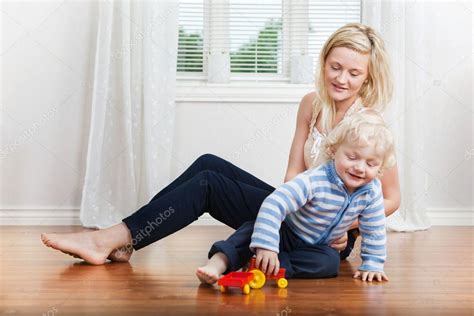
x,y
207,274
211,272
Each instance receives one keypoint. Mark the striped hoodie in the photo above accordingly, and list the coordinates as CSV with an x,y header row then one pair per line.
x,y
318,208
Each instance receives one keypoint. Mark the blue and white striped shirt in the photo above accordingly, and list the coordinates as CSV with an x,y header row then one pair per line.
x,y
318,208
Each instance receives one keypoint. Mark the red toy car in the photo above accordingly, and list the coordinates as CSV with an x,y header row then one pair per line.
x,y
236,279
253,278
260,277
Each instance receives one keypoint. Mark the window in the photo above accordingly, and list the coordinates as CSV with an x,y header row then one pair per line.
x,y
266,40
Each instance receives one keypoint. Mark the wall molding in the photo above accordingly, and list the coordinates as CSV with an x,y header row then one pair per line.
x,y
451,217
70,216
39,216
244,92
60,217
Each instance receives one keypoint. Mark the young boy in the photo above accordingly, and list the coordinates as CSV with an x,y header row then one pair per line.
x,y
299,220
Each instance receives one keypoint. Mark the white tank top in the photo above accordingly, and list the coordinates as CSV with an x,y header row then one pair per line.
x,y
312,146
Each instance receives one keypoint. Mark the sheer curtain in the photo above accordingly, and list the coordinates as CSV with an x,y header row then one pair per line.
x,y
402,27
129,149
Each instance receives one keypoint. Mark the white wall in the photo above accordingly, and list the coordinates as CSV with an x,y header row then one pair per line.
x,y
433,58
47,58
47,61
255,137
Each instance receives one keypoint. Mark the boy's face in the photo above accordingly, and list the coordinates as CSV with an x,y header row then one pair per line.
x,y
357,165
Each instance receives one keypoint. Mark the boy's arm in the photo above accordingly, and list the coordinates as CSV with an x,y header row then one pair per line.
x,y
372,229
286,199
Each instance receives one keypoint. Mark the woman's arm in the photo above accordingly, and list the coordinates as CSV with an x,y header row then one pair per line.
x,y
391,192
296,159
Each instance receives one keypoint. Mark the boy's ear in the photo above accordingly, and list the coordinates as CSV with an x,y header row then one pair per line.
x,y
331,152
380,173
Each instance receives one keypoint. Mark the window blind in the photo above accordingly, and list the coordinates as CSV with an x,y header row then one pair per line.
x,y
255,31
260,36
191,36
325,17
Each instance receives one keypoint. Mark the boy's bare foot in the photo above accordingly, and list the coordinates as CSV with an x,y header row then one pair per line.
x,y
207,274
82,245
213,269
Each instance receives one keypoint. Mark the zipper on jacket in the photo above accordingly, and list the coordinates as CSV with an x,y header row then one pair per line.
x,y
338,218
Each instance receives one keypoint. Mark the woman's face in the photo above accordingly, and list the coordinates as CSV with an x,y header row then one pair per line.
x,y
345,71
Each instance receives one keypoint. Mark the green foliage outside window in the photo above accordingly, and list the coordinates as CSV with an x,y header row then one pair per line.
x,y
191,59
259,55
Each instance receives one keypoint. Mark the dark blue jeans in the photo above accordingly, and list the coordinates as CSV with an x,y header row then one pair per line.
x,y
214,185
211,184
300,259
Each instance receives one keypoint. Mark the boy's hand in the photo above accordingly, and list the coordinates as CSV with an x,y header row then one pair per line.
x,y
371,275
267,261
341,243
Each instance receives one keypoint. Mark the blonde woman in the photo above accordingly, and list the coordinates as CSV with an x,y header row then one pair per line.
x,y
354,74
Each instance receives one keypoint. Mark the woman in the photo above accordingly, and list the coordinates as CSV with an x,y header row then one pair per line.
x,y
354,73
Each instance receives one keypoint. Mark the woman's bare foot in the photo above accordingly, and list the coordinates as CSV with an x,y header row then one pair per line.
x,y
92,246
211,272
79,245
122,254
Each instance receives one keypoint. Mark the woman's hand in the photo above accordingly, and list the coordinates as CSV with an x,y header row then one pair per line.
x,y
340,244
371,275
267,261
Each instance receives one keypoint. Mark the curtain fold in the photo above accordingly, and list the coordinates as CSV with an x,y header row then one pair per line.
x,y
392,19
132,121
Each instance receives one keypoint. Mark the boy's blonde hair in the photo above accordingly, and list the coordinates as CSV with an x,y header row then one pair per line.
x,y
366,128
376,92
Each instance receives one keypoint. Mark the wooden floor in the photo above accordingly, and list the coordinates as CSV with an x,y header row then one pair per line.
x,y
431,272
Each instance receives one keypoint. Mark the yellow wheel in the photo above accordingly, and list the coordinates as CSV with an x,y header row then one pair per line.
x,y
258,279
246,289
282,283
223,289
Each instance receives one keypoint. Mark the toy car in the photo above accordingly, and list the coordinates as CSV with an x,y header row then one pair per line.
x,y
236,279
260,277
253,278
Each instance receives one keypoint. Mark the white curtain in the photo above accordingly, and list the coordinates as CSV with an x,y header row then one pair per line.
x,y
402,26
132,120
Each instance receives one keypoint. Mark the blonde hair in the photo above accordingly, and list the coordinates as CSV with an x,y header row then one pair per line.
x,y
376,92
366,128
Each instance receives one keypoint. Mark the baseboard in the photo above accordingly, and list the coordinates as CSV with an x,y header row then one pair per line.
x,y
30,216
64,216
70,216
451,217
